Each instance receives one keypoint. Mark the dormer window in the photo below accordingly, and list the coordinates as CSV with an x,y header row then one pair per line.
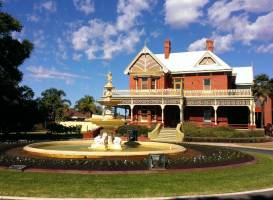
x,y
207,61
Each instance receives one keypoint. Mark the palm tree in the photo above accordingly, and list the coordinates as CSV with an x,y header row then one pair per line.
x,y
262,89
54,103
86,105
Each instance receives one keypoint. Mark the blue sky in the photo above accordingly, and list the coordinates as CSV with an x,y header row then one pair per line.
x,y
77,42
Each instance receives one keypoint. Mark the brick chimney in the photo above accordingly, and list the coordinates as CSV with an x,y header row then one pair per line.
x,y
167,48
209,45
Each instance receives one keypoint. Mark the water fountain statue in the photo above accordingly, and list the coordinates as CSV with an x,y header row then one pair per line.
x,y
108,122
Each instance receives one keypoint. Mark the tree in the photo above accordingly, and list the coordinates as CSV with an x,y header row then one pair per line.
x,y
12,54
262,89
87,105
53,104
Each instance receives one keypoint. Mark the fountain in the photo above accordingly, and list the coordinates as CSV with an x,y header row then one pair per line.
x,y
107,141
106,144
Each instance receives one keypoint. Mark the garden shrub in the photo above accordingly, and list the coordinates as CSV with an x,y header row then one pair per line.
x,y
193,131
58,128
141,130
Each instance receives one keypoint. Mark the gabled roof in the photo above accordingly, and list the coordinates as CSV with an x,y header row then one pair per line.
x,y
188,62
145,50
244,75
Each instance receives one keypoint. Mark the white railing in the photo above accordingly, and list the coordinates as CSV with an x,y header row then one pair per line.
x,y
209,93
186,93
152,92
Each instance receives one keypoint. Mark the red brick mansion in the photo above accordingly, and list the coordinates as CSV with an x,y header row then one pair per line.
x,y
195,86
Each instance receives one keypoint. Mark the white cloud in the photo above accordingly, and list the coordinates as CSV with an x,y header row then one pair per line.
x,y
77,57
50,6
86,6
181,13
40,73
33,18
128,11
198,45
234,17
221,43
261,29
265,48
101,40
155,34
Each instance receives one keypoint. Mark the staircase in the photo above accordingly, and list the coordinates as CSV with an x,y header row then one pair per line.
x,y
166,135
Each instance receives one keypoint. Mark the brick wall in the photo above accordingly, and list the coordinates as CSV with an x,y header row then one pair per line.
x,y
160,82
195,82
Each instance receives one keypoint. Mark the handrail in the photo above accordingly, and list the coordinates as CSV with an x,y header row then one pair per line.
x,y
179,92
155,132
179,133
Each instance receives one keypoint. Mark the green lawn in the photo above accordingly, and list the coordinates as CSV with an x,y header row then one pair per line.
x,y
242,178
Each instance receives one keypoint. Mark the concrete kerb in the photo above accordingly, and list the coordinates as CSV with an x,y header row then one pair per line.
x,y
230,145
233,194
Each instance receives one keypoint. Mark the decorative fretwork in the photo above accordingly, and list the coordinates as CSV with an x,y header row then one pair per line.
x,y
125,101
196,102
147,101
218,102
171,101
233,102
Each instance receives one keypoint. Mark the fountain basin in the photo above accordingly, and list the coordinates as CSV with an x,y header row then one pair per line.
x,y
79,149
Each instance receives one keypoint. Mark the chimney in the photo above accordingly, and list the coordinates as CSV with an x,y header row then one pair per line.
x,y
209,44
167,48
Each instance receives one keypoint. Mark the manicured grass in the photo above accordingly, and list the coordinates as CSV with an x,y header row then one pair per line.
x,y
247,177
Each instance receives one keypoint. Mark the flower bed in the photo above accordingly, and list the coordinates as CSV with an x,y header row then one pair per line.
x,y
204,156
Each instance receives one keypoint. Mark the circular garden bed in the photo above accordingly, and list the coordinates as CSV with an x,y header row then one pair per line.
x,y
196,156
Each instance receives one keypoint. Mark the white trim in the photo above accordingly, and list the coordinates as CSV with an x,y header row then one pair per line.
x,y
145,50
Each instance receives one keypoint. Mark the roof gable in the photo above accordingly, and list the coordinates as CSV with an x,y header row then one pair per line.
x,y
145,50
189,62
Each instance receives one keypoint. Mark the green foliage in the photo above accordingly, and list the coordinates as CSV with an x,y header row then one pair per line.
x,y
208,156
58,128
87,105
16,103
53,104
141,130
193,131
262,88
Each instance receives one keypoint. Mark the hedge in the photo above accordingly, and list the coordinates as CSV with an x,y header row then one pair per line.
x,y
193,131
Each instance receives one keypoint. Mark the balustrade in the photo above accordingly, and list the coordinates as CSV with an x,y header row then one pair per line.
x,y
185,93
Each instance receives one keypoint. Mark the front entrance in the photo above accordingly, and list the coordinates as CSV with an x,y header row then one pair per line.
x,y
171,116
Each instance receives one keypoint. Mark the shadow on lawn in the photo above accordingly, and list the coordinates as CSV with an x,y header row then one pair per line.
x,y
260,196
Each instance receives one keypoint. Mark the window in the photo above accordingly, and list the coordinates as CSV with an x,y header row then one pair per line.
x,y
207,115
153,83
207,61
207,84
177,83
144,85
